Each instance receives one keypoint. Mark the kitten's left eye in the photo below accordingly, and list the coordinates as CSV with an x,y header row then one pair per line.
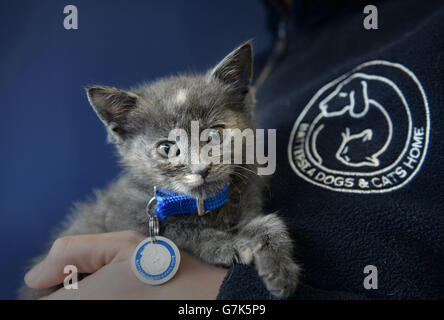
x,y
215,135
167,149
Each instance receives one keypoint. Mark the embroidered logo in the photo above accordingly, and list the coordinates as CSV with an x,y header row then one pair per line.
x,y
365,132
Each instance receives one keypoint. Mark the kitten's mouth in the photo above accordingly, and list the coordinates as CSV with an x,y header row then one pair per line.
x,y
201,187
194,180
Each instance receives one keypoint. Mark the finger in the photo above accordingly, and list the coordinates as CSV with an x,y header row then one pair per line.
x,y
87,253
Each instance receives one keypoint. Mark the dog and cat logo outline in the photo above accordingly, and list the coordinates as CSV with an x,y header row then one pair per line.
x,y
365,132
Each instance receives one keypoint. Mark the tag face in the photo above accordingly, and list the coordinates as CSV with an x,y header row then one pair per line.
x,y
155,263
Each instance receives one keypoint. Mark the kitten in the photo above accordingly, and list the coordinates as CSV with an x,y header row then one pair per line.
x,y
138,122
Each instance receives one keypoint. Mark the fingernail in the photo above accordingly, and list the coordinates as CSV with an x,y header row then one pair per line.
x,y
33,275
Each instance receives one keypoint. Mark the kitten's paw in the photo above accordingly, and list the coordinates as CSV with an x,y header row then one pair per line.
x,y
281,279
245,253
280,274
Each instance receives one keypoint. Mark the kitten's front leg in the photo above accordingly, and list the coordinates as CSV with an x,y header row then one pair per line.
x,y
211,245
265,242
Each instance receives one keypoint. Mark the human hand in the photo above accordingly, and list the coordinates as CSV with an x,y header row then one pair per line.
x,y
106,258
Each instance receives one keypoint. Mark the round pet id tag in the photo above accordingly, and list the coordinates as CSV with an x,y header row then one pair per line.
x,y
155,262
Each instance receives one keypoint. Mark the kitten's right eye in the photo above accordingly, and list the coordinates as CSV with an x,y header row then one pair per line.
x,y
167,149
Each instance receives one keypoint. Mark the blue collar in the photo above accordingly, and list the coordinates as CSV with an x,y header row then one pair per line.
x,y
169,203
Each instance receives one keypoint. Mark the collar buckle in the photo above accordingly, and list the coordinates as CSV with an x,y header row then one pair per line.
x,y
201,207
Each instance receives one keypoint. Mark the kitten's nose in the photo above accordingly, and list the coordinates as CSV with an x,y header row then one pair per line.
x,y
202,169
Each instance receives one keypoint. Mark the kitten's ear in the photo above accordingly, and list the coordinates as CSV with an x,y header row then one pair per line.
x,y
112,105
236,69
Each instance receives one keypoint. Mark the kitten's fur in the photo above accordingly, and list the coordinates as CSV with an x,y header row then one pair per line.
x,y
136,120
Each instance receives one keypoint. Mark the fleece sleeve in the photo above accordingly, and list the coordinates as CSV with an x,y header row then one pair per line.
x,y
243,283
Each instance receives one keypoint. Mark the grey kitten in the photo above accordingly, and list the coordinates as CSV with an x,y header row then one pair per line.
x,y
138,122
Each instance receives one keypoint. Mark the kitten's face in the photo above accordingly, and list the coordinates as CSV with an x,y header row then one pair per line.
x,y
140,122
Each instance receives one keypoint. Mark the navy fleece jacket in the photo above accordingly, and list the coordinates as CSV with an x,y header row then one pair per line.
x,y
360,149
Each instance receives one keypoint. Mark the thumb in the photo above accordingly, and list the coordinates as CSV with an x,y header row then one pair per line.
x,y
88,253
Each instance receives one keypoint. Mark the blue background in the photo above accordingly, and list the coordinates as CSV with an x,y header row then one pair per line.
x,y
53,149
